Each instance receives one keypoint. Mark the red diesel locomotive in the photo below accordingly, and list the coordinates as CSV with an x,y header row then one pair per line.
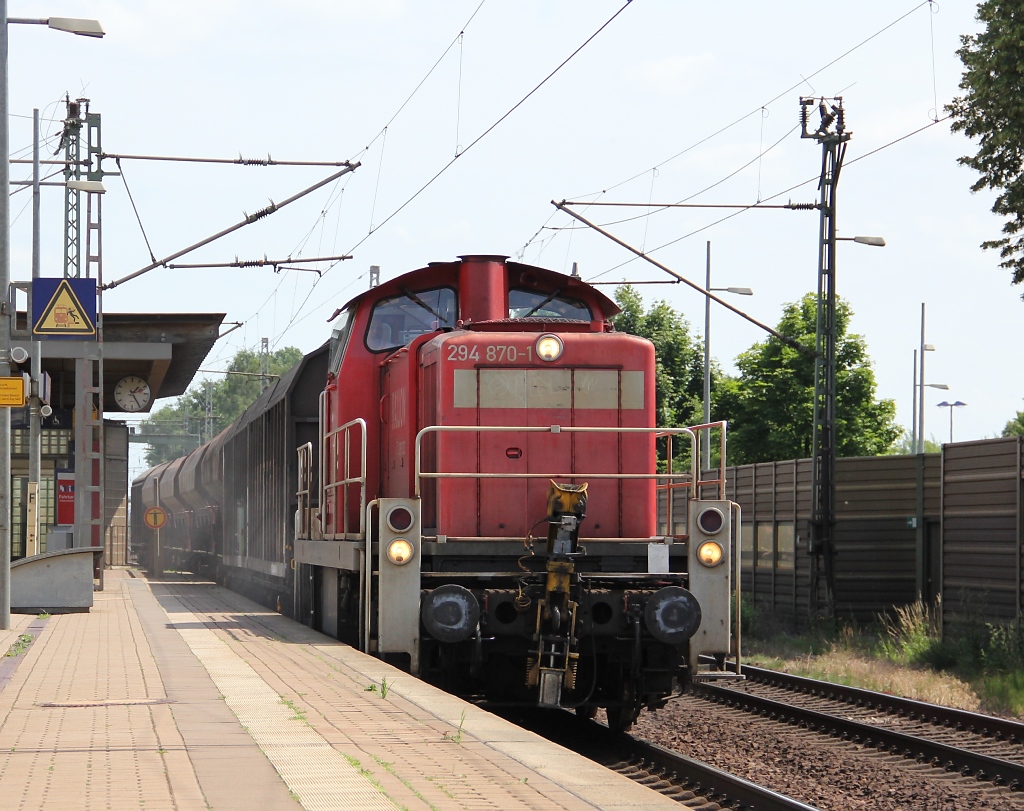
x,y
481,506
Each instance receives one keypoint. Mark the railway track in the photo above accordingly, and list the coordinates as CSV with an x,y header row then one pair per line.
x,y
989,749
690,782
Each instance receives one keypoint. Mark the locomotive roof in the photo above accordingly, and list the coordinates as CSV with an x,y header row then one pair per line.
x,y
540,279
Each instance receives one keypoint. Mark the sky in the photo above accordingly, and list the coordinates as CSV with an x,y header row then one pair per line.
x,y
653,101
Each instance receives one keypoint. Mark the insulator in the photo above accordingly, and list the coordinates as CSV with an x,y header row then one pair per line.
x,y
263,212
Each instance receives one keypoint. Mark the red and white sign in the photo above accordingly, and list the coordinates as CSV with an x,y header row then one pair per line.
x,y
65,497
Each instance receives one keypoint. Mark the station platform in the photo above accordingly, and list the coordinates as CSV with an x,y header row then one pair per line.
x,y
182,695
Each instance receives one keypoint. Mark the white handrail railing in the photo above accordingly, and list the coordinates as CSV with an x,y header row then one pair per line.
x,y
553,429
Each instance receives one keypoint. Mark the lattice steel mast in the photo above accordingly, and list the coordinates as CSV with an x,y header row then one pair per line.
x,y
832,135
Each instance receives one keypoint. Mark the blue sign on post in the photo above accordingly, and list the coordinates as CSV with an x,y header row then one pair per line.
x,y
64,308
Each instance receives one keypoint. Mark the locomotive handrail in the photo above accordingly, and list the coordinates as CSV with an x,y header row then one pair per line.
x,y
696,482
330,442
305,465
719,483
553,429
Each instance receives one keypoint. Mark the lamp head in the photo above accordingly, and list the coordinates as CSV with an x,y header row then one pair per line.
x,y
74,25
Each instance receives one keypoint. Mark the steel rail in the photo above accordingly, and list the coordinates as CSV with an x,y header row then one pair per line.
x,y
675,772
715,781
990,726
983,767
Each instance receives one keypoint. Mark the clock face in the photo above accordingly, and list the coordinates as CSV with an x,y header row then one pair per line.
x,y
132,393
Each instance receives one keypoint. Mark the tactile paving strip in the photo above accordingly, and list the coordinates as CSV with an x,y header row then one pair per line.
x,y
314,770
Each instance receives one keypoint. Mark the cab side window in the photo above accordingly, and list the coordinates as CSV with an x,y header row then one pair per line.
x,y
339,339
534,304
396,321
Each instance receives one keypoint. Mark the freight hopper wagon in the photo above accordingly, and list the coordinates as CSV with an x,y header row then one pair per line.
x,y
481,507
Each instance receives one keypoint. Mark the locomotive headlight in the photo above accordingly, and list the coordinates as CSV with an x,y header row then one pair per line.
x,y
400,551
709,553
710,521
549,347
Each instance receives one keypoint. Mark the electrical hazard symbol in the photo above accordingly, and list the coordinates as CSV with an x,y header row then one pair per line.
x,y
155,517
68,308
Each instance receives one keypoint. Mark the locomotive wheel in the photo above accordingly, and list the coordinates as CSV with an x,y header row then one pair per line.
x,y
622,716
620,719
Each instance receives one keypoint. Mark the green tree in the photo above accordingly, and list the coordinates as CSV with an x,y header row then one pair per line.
x,y
1015,427
992,112
229,397
905,445
770,407
679,382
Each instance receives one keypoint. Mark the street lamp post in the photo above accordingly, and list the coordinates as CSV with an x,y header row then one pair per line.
x,y
89,28
739,291
951,406
913,400
919,446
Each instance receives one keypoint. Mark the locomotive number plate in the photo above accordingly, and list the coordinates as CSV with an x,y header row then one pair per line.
x,y
492,353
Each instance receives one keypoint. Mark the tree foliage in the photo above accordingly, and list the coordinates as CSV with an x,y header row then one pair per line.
x,y
1015,427
679,382
229,397
992,111
905,445
770,407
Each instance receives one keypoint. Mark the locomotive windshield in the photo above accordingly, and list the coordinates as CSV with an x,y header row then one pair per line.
x,y
339,339
396,321
532,304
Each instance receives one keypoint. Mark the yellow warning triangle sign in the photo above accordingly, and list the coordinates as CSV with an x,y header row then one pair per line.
x,y
64,315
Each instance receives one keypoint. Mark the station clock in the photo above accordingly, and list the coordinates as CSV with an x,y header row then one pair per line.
x,y
132,393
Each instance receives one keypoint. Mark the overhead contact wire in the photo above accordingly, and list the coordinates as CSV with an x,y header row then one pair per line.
x,y
661,208
742,118
491,128
458,98
933,8
383,133
745,209
745,116
423,80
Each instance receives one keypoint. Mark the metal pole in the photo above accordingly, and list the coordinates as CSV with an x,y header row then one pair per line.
x,y
920,402
913,406
5,331
951,425
706,457
34,425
